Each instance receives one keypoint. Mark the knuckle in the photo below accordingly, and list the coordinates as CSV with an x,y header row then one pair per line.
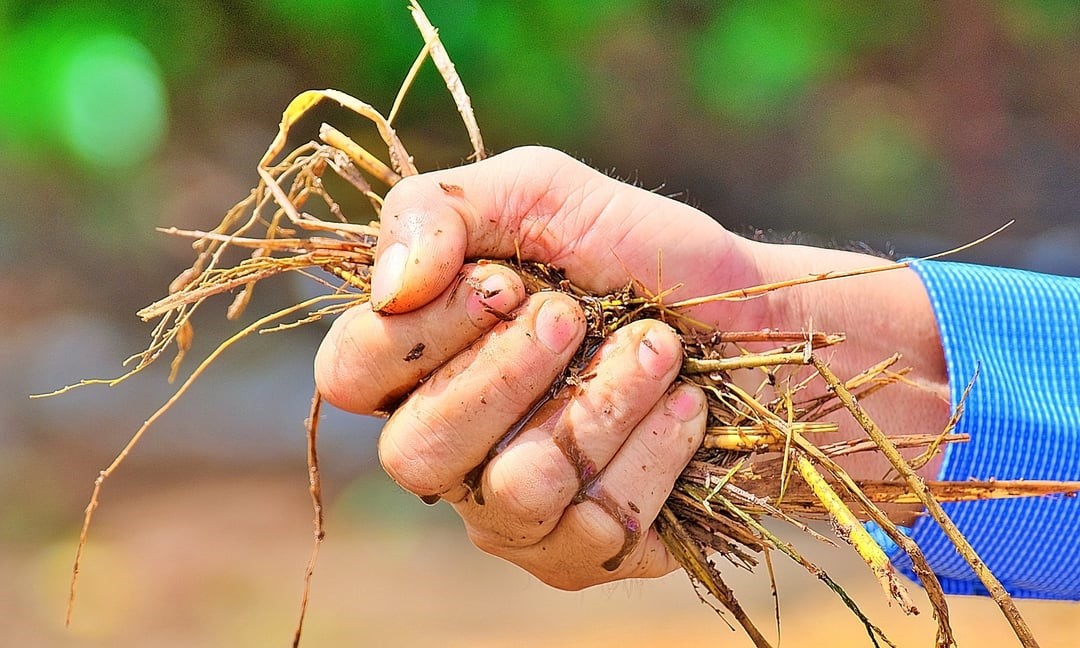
x,y
328,381
651,559
403,192
516,388
519,373
538,156
601,532
486,541
409,451
619,390
568,580
341,365
669,448
607,401
529,490
358,375
595,535
399,463
498,541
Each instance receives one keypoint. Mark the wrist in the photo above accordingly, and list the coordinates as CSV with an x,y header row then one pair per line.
x,y
881,314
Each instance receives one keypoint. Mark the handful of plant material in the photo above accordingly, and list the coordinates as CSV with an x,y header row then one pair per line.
x,y
717,505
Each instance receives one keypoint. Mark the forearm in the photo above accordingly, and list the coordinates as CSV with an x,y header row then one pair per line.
x,y
1020,332
881,314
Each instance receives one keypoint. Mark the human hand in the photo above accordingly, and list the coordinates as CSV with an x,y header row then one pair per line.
x,y
571,496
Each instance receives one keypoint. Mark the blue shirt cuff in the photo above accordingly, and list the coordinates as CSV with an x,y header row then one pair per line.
x,y
1020,331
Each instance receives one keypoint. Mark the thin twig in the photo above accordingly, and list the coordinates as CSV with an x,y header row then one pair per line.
x,y
315,488
449,74
135,438
933,507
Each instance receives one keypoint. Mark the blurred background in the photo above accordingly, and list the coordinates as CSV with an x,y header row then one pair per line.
x,y
906,128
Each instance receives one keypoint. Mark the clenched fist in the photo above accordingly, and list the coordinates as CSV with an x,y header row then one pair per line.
x,y
566,482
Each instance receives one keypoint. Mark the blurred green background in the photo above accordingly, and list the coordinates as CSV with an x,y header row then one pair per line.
x,y
905,127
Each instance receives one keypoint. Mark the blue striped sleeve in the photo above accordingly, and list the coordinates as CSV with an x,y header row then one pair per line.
x,y
1021,332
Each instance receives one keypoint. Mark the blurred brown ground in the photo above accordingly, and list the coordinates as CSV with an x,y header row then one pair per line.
x,y
204,557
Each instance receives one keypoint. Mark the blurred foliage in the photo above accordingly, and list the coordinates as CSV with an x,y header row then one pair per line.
x,y
909,124
753,59
87,79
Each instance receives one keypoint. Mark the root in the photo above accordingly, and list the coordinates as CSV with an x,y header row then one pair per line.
x,y
135,438
315,488
933,507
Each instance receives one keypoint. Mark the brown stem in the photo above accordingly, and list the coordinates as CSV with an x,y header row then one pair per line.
x,y
315,488
918,561
690,556
933,507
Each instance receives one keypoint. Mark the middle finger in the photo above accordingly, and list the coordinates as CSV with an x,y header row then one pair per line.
x,y
566,445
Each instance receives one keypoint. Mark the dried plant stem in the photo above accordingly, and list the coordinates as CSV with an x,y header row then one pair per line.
x,y
743,294
400,159
138,435
886,491
933,507
929,580
851,530
449,74
948,431
315,488
927,577
758,438
697,565
787,549
410,77
358,154
713,365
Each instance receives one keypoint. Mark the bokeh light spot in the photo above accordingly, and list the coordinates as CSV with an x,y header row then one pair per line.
x,y
755,58
112,102
882,163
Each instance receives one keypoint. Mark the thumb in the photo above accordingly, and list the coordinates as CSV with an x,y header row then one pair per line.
x,y
531,202
431,222
420,251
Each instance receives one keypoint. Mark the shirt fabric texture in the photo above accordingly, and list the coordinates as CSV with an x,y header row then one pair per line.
x,y
1020,333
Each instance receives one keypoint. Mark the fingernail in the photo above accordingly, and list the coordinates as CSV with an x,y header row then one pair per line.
x,y
389,275
556,325
494,287
656,354
493,293
684,403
